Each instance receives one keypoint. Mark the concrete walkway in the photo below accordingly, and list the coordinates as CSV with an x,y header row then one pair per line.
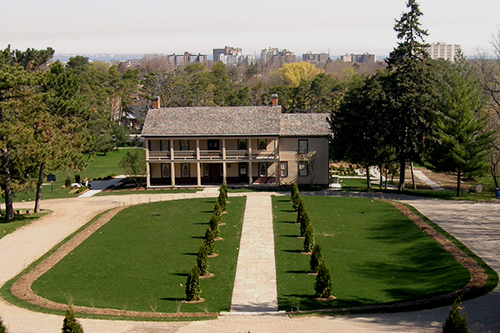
x,y
432,184
476,225
255,282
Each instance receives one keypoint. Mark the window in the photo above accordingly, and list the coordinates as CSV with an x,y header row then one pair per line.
x,y
206,169
164,145
165,170
185,170
303,149
213,144
184,144
262,144
243,169
263,169
284,169
242,144
302,169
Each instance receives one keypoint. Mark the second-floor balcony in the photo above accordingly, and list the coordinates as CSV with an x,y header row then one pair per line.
x,y
211,155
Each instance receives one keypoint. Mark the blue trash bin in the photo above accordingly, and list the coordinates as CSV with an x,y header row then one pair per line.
x,y
497,193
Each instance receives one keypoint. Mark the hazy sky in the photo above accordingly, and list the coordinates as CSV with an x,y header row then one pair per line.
x,y
168,26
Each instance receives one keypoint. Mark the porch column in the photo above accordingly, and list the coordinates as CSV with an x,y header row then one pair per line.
x,y
250,176
197,149
249,148
278,172
276,148
171,149
223,149
148,174
172,173
198,172
224,172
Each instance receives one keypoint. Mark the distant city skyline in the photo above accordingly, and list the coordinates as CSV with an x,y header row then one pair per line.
x,y
166,27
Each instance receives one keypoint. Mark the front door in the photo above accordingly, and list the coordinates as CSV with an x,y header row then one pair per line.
x,y
243,172
212,173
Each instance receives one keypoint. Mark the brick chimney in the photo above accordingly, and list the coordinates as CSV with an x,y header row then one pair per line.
x,y
274,100
156,102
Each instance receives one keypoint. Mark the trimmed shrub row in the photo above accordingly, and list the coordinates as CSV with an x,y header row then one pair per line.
x,y
317,264
201,267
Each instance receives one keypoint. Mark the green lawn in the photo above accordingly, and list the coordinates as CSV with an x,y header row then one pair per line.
x,y
99,166
7,227
375,255
138,260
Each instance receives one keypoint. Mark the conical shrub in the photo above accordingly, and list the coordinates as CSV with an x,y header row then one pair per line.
x,y
316,258
70,324
295,196
202,260
304,221
223,189
221,199
309,238
3,329
214,224
218,210
193,287
209,240
323,285
457,320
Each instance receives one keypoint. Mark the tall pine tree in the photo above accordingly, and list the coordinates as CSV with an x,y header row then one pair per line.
x,y
409,90
460,141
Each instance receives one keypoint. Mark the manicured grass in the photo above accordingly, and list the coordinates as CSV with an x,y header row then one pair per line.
x,y
99,166
7,227
129,192
452,195
138,260
353,183
375,255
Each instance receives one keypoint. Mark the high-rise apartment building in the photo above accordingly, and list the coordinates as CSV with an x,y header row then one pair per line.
x,y
443,51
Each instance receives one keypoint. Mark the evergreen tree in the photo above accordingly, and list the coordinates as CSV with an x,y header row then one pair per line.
x,y
223,188
193,288
214,225
323,285
457,320
304,222
408,91
70,324
3,329
202,259
316,258
209,240
295,196
221,199
460,141
218,211
309,238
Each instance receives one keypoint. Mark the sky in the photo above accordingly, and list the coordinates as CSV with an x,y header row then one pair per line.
x,y
196,26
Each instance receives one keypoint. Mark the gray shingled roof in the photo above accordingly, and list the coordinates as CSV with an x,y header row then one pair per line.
x,y
304,124
231,121
194,121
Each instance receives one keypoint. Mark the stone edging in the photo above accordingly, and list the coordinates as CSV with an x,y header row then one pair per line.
x,y
22,287
478,274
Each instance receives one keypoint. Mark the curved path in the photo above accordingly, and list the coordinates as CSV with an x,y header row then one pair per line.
x,y
476,225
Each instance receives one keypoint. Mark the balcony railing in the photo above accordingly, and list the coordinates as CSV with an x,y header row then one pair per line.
x,y
211,154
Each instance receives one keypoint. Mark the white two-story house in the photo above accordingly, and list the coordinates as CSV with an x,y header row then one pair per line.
x,y
244,145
